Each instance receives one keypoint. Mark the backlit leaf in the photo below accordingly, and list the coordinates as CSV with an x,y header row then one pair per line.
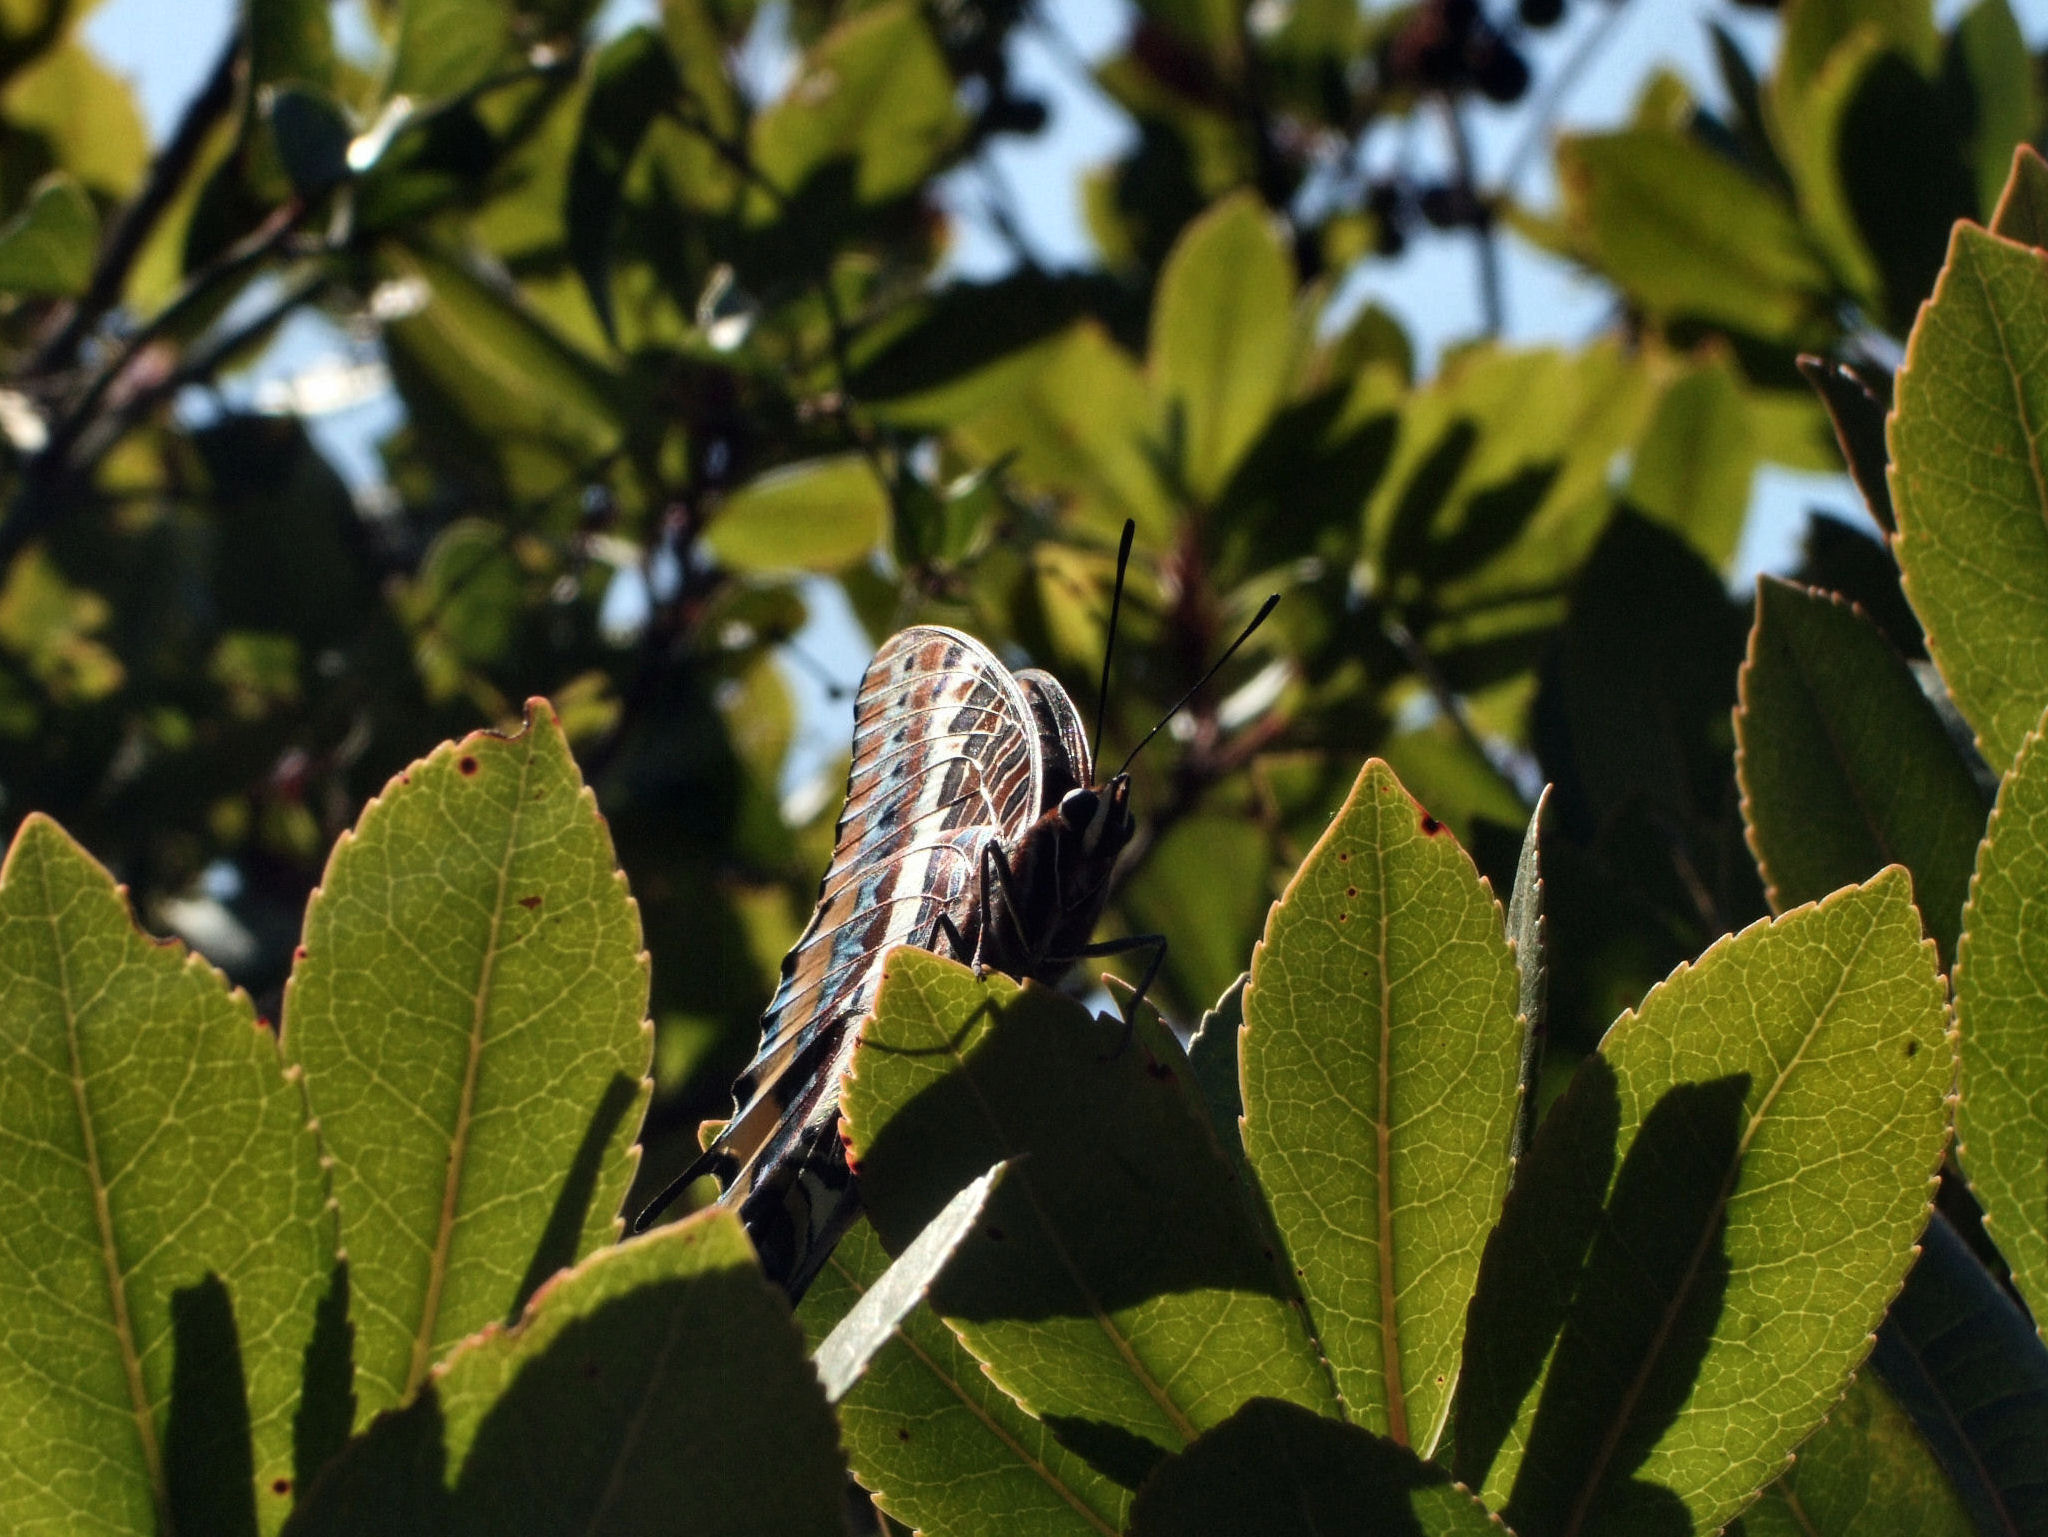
x,y
2002,1121
1381,1053
1969,437
169,1239
816,515
873,99
47,250
1221,336
1690,234
1710,1225
469,1007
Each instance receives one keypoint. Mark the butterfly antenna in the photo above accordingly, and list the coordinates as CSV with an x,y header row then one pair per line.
x,y
1243,635
1116,600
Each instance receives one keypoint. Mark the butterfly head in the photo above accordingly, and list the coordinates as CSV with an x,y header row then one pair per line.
x,y
1100,817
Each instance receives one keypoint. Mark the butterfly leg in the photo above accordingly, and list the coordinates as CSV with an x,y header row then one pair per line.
x,y
1156,944
998,884
945,929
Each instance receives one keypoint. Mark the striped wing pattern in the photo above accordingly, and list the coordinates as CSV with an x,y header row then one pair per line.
x,y
950,751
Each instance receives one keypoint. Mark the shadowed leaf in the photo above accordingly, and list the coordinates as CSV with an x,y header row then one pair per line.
x,y
1117,1286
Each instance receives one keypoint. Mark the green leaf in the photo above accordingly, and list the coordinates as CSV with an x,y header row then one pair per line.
x,y
446,46
2002,1120
1694,465
1118,1287
2022,212
1080,419
1857,398
290,40
872,101
816,515
1989,68
1205,882
1844,765
85,115
476,364
1969,439
47,250
1958,1355
312,135
1762,1134
944,1449
633,81
1689,234
871,1322
1276,1469
657,1377
169,1239
1222,337
1380,1067
1499,484
1865,1473
1213,1056
469,1007
1526,938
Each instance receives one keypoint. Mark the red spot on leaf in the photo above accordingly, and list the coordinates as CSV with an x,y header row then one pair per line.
x,y
299,953
1160,1071
467,765
1351,891
903,1435
1343,859
280,1486
1430,825
529,903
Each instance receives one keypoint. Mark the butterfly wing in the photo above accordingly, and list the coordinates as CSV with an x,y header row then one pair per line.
x,y
946,756
1068,764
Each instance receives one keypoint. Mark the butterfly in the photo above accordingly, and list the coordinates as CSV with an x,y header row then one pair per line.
x,y
973,822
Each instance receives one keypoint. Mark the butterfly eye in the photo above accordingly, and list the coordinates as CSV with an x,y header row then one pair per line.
x,y
1077,808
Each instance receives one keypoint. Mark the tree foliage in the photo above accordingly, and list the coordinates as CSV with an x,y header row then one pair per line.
x,y
1544,1161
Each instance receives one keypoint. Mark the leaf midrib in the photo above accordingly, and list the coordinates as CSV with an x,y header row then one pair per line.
x,y
1383,1141
103,1218
1596,1472
458,1142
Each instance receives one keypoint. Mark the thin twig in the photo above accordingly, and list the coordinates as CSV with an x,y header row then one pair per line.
x,y
139,218
1493,305
1543,115
50,473
198,365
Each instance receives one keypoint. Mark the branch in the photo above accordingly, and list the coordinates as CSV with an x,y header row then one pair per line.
x,y
1491,303
50,474
138,219
1543,116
